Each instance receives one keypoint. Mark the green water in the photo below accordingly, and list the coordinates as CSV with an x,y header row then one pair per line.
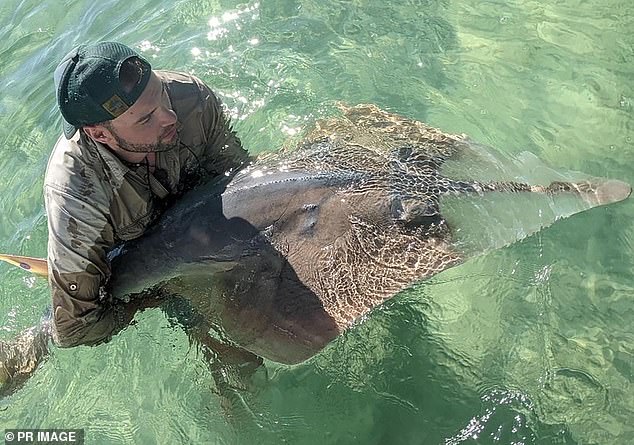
x,y
532,344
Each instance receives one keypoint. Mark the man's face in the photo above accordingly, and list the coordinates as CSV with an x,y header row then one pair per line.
x,y
149,125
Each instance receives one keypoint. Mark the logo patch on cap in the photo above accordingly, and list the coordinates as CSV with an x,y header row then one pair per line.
x,y
115,106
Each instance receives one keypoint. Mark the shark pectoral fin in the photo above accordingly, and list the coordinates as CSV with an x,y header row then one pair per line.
x,y
207,265
487,216
595,193
612,191
20,357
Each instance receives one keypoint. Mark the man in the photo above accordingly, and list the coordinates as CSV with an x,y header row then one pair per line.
x,y
134,139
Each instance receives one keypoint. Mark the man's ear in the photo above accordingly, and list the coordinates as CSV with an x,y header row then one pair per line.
x,y
99,133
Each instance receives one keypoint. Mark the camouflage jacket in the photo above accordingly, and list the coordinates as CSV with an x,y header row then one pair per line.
x,y
94,201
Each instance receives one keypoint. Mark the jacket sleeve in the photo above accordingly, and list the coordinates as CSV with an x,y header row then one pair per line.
x,y
79,237
223,152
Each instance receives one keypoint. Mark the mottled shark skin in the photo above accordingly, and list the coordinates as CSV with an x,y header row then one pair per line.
x,y
299,246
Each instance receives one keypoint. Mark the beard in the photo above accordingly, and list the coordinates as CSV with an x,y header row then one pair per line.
x,y
145,148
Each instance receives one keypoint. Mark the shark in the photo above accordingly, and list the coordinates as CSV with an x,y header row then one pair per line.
x,y
303,244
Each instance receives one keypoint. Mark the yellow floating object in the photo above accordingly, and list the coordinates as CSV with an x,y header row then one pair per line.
x,y
37,266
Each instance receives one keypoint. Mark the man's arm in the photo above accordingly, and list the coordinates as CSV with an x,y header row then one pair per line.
x,y
79,237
